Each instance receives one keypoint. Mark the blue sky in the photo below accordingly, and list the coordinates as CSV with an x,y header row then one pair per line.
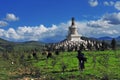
x,y
48,20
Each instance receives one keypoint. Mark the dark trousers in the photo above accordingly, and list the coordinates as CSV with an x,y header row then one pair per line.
x,y
81,65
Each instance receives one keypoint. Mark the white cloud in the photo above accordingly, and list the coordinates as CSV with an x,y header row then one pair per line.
x,y
3,23
40,32
11,17
2,32
85,30
110,3
117,5
99,23
106,3
93,3
111,32
113,18
106,21
59,32
11,33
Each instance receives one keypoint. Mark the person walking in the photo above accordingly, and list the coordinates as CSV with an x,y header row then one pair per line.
x,y
81,59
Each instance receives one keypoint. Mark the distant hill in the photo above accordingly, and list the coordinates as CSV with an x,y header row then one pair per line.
x,y
108,38
5,45
16,46
105,38
118,38
3,41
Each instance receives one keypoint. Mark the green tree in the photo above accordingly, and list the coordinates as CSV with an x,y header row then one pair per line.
x,y
113,44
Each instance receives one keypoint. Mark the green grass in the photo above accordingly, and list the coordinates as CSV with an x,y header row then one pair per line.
x,y
98,65
107,63
4,68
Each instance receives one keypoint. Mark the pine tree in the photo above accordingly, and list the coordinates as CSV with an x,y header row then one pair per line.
x,y
113,44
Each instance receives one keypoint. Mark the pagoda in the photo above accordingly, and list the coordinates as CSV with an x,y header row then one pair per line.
x,y
73,33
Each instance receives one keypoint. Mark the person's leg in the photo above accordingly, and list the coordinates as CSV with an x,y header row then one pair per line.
x,y
82,65
79,65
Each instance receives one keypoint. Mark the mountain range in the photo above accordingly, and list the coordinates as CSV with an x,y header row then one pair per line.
x,y
16,46
108,38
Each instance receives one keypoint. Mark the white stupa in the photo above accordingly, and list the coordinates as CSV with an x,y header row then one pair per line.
x,y
73,33
74,41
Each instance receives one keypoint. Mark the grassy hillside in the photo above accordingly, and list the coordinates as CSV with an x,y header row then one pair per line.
x,y
100,64
5,45
19,46
28,46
